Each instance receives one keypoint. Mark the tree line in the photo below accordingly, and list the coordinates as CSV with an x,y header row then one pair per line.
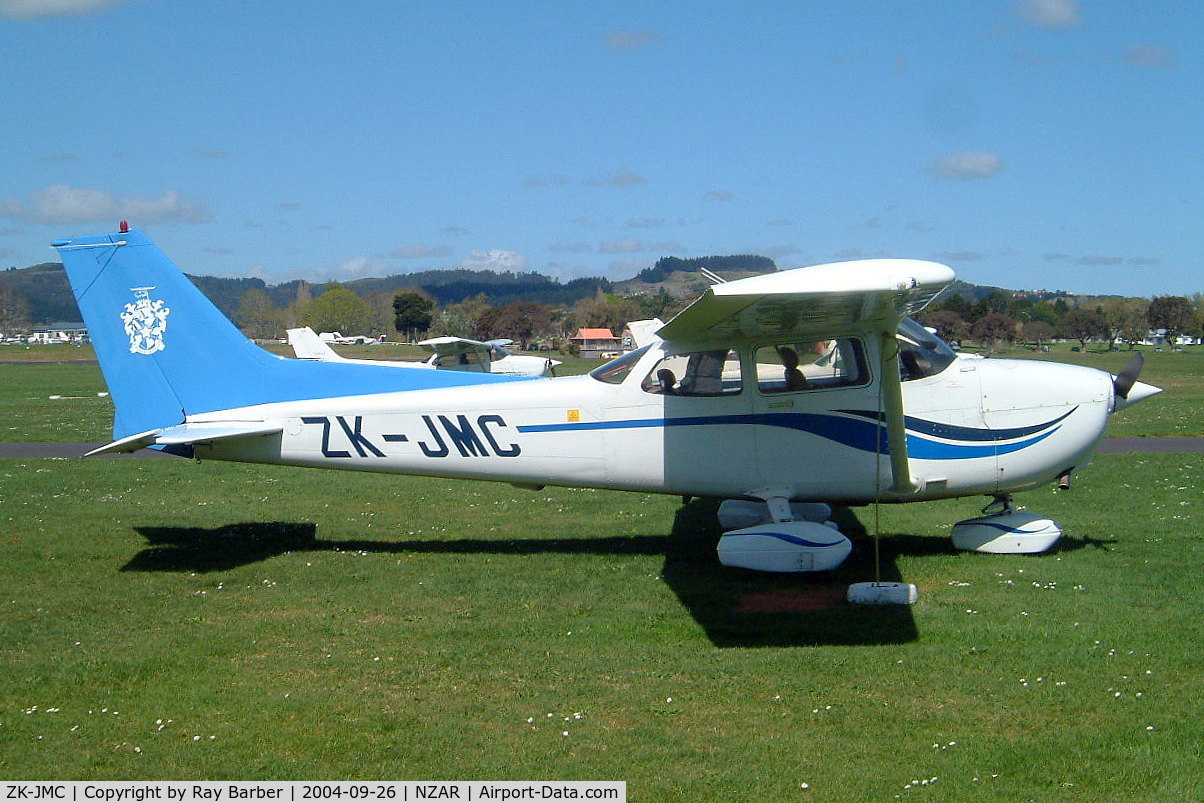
x,y
1006,317
529,306
415,313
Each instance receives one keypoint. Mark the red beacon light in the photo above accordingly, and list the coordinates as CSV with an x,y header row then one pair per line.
x,y
124,227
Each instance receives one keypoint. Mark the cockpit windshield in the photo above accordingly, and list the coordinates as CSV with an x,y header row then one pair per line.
x,y
615,371
921,353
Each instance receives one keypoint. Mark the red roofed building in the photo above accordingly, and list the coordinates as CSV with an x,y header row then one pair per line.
x,y
595,342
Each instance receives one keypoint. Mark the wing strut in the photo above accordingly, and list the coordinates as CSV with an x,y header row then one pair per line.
x,y
896,431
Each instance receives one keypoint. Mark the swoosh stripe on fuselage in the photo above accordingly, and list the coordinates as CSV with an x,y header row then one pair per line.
x,y
863,435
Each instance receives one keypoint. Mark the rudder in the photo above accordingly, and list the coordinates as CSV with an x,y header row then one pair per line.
x,y
167,352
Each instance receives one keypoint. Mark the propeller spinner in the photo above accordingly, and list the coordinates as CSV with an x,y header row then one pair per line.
x,y
1126,387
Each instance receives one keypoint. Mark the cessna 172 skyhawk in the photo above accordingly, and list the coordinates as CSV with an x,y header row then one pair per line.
x,y
776,393
447,353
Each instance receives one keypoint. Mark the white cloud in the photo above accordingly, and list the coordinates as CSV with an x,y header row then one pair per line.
x,y
420,251
553,180
358,268
570,248
621,247
625,268
776,252
960,256
1052,15
623,178
169,207
630,40
966,165
29,9
495,259
60,158
345,271
1150,56
62,204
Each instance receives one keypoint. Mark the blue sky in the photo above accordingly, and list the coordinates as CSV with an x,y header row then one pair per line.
x,y
1035,144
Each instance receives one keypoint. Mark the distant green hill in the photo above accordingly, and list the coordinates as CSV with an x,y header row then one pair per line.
x,y
743,263
46,288
50,297
499,289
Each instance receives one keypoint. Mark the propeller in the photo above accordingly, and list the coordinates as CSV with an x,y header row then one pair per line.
x,y
1125,380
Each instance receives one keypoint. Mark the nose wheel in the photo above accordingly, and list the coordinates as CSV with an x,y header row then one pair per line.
x,y
1005,529
1000,505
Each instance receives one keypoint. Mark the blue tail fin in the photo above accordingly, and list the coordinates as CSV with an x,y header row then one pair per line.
x,y
167,352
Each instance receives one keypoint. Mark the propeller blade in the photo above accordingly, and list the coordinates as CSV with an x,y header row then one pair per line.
x,y
1123,382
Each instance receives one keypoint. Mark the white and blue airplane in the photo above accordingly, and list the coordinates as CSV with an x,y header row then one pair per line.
x,y
447,353
778,393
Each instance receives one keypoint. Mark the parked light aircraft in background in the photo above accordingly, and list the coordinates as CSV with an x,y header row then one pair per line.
x,y
777,393
348,340
490,356
447,353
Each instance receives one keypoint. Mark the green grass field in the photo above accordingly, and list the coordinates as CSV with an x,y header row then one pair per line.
x,y
167,620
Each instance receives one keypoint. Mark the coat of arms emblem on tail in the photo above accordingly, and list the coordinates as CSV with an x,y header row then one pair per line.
x,y
145,322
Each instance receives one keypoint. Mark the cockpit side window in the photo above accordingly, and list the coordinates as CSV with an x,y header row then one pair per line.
x,y
700,373
921,353
464,361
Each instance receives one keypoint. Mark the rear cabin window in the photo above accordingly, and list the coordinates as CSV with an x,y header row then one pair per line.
x,y
816,365
699,373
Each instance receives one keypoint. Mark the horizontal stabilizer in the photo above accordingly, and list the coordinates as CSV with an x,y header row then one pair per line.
x,y
188,435
131,444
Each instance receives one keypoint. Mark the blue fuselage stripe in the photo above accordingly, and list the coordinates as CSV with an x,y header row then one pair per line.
x,y
857,433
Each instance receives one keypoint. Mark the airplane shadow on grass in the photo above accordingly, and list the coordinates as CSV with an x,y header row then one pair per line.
x,y
736,608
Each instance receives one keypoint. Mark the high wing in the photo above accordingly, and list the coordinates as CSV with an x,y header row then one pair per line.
x,y
461,354
454,346
869,297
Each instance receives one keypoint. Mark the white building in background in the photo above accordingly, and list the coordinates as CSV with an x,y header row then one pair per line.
x,y
1157,337
73,332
